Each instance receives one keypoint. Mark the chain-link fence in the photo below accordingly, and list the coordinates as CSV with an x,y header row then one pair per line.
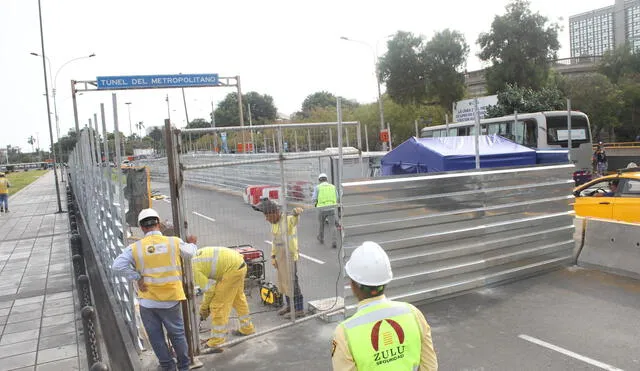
x,y
221,198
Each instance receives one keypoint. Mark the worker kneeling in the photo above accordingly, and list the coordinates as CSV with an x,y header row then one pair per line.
x,y
382,334
228,269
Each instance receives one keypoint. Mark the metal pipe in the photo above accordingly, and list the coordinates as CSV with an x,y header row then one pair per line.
x,y
366,136
241,112
415,122
569,144
268,159
477,136
389,132
275,126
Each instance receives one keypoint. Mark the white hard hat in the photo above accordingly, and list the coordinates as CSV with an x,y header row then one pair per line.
x,y
322,175
631,165
369,265
147,213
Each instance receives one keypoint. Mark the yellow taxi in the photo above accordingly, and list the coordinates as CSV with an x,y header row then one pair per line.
x,y
614,197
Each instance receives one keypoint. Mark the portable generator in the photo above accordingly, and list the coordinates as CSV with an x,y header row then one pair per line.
x,y
254,259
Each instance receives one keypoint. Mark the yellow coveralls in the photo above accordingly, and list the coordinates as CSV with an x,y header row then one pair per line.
x,y
228,269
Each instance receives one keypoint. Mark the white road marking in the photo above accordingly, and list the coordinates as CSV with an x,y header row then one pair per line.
x,y
303,255
203,216
569,353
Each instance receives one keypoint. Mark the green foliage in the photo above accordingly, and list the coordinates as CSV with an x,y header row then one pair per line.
x,y
596,96
444,55
401,118
519,46
619,62
322,99
416,71
263,109
402,69
525,100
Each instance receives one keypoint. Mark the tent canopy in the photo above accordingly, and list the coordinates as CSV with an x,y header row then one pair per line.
x,y
427,155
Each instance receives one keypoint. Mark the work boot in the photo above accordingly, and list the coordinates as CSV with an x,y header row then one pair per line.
x,y
284,310
334,245
299,314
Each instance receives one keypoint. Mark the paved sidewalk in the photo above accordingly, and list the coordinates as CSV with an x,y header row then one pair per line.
x,y
40,326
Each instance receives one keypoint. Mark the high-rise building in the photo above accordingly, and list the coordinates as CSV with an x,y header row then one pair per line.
x,y
600,30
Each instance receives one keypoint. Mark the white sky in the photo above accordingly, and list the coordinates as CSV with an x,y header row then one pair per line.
x,y
287,49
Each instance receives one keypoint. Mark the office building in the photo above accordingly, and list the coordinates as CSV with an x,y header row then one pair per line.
x,y
597,31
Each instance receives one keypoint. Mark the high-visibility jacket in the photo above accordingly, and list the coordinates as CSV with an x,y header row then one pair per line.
x,y
157,259
326,195
278,242
384,335
211,263
4,186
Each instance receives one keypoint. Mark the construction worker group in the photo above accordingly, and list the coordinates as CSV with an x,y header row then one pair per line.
x,y
382,334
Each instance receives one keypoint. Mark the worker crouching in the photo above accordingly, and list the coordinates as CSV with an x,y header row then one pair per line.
x,y
228,269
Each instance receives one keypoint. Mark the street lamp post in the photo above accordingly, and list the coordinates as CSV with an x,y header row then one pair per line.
x,y
55,104
129,109
46,87
375,71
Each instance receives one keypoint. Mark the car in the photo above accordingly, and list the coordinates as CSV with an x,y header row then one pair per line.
x,y
615,197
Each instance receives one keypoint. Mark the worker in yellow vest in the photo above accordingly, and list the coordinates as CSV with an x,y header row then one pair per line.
x,y
382,334
154,263
285,262
227,268
4,193
325,199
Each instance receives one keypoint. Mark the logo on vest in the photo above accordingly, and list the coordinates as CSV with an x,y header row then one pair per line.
x,y
151,249
391,351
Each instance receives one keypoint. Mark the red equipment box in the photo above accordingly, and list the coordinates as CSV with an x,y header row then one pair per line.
x,y
248,252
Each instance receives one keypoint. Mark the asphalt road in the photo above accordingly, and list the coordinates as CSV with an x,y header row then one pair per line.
x,y
570,319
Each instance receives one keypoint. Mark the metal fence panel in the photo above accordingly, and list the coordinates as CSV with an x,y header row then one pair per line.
x,y
99,192
451,232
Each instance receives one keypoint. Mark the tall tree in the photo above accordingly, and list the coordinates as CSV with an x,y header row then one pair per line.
x,y
445,56
596,96
416,71
519,46
402,69
263,109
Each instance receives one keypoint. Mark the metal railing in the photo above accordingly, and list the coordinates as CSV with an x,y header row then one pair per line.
x,y
452,232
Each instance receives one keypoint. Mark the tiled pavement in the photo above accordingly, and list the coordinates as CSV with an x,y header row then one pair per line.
x,y
40,326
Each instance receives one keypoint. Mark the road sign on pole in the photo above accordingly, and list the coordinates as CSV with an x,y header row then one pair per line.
x,y
156,81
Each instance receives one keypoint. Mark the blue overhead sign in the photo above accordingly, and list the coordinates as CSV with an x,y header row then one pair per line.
x,y
156,81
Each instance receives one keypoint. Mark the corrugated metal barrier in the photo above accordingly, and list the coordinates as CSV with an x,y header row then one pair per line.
x,y
452,232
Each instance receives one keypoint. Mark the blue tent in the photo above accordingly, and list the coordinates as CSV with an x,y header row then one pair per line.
x,y
428,155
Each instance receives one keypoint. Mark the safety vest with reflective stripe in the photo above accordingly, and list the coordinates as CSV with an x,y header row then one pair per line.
x,y
326,195
4,186
214,262
384,336
158,260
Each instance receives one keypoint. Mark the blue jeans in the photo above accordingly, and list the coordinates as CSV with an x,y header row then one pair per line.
x,y
4,201
153,320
